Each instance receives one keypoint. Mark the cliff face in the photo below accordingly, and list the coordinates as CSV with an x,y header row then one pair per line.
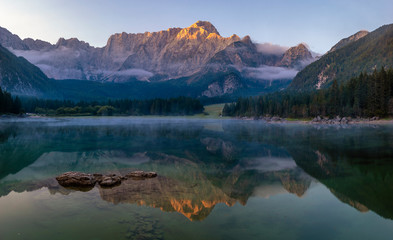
x,y
171,53
239,54
174,53
37,45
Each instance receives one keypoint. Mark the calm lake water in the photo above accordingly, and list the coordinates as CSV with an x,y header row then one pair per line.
x,y
217,179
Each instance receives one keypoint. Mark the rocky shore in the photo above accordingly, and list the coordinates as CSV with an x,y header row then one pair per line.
x,y
86,180
318,120
342,120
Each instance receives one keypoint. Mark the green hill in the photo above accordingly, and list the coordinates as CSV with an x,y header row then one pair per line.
x,y
375,50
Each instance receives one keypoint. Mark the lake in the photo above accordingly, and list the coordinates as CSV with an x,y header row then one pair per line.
x,y
217,179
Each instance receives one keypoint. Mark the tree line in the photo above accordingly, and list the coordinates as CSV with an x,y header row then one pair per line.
x,y
9,104
172,106
364,96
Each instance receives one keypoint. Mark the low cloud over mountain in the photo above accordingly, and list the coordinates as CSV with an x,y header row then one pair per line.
x,y
271,73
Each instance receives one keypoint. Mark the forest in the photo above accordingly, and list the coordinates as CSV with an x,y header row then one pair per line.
x,y
364,96
368,95
8,104
171,106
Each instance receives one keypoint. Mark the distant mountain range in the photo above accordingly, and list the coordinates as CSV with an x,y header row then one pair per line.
x,y
361,52
196,60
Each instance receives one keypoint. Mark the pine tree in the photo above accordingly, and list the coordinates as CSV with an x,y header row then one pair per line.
x,y
16,106
334,98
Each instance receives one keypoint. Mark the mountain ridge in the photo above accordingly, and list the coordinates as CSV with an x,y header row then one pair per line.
x,y
195,60
345,41
171,53
370,52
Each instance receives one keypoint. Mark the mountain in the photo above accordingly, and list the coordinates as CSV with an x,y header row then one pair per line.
x,y
196,61
296,57
37,45
9,40
171,53
20,77
353,38
349,58
163,55
243,53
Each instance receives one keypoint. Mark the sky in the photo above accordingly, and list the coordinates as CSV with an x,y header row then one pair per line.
x,y
320,24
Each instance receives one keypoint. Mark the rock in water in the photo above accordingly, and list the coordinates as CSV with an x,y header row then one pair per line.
x,y
141,174
110,181
76,179
85,180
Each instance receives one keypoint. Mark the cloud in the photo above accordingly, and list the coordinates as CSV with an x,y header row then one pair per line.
x,y
306,62
134,72
59,63
57,55
67,63
123,75
271,49
53,72
270,73
272,164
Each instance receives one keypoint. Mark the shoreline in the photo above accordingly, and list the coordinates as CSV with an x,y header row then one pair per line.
x,y
271,120
333,121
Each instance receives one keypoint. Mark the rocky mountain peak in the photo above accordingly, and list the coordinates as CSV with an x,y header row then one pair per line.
x,y
73,43
9,40
235,38
199,31
301,47
353,38
37,45
207,26
247,40
295,56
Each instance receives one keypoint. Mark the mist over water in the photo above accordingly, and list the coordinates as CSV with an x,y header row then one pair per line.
x,y
216,179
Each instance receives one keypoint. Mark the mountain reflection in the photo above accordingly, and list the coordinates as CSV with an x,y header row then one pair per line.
x,y
202,164
197,198
363,185
185,187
